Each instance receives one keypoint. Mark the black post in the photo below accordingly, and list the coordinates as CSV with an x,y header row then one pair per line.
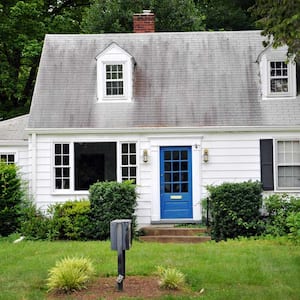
x,y
121,269
207,212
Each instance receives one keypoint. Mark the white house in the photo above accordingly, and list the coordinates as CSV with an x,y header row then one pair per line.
x,y
175,112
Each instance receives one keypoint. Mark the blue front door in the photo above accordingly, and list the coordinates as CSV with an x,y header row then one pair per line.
x,y
176,183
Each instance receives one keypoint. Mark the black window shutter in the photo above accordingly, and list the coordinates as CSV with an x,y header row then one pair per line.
x,y
266,164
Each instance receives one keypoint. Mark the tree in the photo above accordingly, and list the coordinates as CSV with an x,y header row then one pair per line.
x,y
106,16
280,21
23,25
227,14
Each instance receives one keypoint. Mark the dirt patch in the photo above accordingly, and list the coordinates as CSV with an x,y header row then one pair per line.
x,y
141,287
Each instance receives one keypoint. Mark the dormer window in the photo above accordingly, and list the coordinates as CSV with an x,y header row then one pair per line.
x,y
278,75
114,75
114,80
279,80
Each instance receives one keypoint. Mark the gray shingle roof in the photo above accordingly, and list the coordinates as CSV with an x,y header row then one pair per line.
x,y
14,129
191,79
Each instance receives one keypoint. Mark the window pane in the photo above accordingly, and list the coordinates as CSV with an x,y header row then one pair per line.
x,y
65,160
167,177
132,159
167,155
58,172
176,155
167,166
125,171
94,162
10,158
132,171
66,172
132,148
175,176
57,160
124,148
65,148
124,160
184,155
175,166
289,177
57,148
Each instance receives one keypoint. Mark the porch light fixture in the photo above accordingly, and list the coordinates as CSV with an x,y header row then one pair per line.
x,y
205,155
145,155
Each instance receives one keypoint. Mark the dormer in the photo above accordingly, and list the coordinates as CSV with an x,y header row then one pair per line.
x,y
278,74
114,75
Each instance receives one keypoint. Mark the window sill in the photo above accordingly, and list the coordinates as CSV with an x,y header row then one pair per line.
x,y
69,192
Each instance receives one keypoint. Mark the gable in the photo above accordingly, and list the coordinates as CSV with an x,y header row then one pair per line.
x,y
194,79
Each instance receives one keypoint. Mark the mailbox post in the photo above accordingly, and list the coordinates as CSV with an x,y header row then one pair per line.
x,y
120,237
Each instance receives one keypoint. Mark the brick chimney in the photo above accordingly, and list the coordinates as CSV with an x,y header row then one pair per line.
x,y
144,22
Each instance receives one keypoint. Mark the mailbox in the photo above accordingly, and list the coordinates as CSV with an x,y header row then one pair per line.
x,y
120,234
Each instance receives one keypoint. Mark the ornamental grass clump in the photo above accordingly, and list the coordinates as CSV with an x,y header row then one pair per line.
x,y
70,274
170,278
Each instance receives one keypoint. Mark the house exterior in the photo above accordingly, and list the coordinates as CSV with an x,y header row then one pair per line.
x,y
174,112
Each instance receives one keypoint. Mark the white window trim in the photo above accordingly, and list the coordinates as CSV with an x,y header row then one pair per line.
x,y
10,153
276,165
71,168
114,55
265,60
71,190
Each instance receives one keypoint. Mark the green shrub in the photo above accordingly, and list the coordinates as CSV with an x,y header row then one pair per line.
x,y
170,278
293,223
235,210
278,208
10,198
70,274
110,201
70,220
34,224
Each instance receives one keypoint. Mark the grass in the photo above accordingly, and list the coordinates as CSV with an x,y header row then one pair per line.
x,y
246,269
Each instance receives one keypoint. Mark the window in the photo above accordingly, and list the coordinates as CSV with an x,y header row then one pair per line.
x,y
277,74
62,166
94,162
278,77
128,161
288,164
114,80
7,158
114,74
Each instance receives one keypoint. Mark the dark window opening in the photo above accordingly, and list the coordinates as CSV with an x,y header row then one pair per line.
x,y
94,162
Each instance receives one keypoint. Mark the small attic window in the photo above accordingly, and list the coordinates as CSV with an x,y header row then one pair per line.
x,y
279,79
278,76
114,75
114,80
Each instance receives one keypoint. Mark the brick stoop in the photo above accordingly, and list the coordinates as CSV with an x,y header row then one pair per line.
x,y
174,235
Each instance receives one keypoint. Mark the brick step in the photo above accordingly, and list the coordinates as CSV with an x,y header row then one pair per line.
x,y
173,231
174,239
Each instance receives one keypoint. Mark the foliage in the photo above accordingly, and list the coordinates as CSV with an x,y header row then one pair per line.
x,y
170,278
34,224
70,220
235,209
117,16
23,25
293,223
70,274
227,14
278,208
110,201
11,195
280,21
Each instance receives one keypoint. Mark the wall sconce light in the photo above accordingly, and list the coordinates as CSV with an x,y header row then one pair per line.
x,y
145,155
205,155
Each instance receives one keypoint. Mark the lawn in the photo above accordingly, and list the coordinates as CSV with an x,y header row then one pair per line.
x,y
247,269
